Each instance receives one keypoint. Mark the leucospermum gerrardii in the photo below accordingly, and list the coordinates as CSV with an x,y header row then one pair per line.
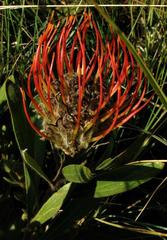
x,y
81,85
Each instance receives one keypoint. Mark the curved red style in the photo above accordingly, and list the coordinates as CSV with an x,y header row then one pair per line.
x,y
82,84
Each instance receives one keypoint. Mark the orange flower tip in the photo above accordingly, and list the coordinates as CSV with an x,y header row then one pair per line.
x,y
71,18
22,93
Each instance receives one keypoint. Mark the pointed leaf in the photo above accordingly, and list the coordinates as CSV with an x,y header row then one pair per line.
x,y
2,94
3,90
34,166
128,155
77,173
26,138
75,212
51,207
126,178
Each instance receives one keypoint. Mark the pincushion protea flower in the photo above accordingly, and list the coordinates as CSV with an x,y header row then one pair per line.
x,y
81,85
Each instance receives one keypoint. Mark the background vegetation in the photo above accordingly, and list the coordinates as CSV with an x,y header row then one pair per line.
x,y
29,166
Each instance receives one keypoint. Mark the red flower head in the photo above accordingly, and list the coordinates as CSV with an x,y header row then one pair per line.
x,y
85,85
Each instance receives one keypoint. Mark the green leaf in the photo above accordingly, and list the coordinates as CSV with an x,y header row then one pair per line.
x,y
3,90
128,155
126,178
34,166
25,136
2,94
23,132
27,139
51,207
70,219
77,173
